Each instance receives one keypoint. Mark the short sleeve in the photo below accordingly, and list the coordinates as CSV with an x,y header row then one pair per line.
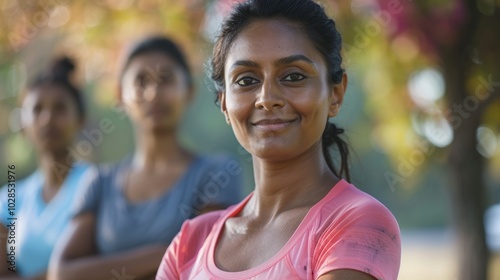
x,y
222,183
368,241
89,196
185,247
169,264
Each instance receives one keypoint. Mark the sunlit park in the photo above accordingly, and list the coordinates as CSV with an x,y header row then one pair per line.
x,y
421,112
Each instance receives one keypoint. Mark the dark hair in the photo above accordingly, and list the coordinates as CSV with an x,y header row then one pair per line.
x,y
162,45
59,73
321,30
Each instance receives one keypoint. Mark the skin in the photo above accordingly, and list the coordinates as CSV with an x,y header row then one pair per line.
x,y
277,100
155,94
51,122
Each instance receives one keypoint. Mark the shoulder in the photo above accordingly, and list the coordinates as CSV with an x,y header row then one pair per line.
x,y
200,226
26,185
349,204
194,233
20,192
353,217
355,231
97,180
107,173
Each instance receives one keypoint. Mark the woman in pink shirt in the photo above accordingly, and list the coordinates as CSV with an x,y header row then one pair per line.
x,y
278,70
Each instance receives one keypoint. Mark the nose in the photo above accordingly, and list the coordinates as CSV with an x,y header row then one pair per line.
x,y
46,117
151,92
269,97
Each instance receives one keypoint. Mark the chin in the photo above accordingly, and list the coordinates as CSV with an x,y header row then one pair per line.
x,y
55,148
163,128
274,152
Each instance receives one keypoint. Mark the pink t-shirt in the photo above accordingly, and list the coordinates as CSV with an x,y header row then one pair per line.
x,y
347,229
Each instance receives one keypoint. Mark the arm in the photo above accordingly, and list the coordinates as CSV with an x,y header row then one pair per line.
x,y
346,274
5,273
76,257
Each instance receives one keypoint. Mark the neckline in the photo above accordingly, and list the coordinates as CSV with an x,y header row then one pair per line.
x,y
299,231
39,178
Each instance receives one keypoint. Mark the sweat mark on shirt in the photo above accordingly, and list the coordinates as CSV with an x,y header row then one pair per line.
x,y
391,235
373,245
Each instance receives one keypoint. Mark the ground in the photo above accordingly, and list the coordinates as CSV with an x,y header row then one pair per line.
x,y
430,254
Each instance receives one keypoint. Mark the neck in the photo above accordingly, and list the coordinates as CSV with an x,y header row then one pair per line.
x,y
156,152
55,167
299,182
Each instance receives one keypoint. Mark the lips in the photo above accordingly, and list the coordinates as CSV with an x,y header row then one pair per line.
x,y
49,133
273,124
157,111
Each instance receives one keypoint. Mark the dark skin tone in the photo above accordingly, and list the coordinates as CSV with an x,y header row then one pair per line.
x,y
51,122
155,94
277,100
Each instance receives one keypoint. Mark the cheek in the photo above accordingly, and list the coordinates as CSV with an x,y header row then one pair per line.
x,y
312,103
70,124
27,118
129,92
239,107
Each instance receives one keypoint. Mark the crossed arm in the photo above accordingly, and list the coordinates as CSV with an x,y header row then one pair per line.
x,y
76,256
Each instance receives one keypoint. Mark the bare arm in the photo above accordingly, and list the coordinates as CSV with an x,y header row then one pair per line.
x,y
5,273
76,257
17,277
346,274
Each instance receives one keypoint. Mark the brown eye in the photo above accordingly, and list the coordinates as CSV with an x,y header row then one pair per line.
x,y
294,77
246,81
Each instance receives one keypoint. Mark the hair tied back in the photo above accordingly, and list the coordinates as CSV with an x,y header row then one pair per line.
x,y
62,68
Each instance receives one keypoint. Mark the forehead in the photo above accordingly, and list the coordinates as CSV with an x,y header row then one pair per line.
x,y
151,60
268,40
51,93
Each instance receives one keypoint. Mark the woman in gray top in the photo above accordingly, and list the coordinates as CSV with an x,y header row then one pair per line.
x,y
127,216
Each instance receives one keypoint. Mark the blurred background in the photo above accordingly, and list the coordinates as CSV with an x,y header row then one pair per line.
x,y
422,111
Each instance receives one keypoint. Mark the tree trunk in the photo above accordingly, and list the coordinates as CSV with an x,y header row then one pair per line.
x,y
468,193
466,167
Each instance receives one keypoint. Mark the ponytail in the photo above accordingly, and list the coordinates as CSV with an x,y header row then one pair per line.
x,y
331,136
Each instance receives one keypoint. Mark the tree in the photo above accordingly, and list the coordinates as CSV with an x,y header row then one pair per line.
x,y
459,39
391,39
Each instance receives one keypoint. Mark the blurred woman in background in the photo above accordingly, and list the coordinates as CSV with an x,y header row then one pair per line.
x,y
52,115
131,211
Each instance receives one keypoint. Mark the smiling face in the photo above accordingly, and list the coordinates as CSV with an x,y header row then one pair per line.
x,y
50,118
277,94
155,92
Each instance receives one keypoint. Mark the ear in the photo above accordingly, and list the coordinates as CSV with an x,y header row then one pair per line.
x,y
223,108
337,96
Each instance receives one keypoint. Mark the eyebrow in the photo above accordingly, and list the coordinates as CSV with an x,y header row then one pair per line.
x,y
247,63
294,58
281,61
